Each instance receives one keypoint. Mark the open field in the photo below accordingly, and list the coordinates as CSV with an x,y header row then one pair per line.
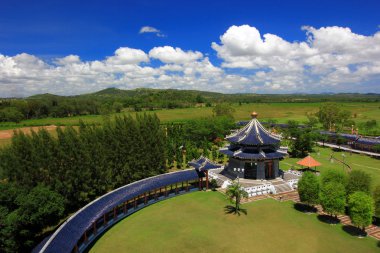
x,y
196,222
282,112
355,161
6,135
278,111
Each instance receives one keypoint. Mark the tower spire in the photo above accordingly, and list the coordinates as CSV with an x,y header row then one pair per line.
x,y
254,115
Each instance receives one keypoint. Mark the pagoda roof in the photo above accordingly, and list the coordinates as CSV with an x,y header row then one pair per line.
x,y
254,155
253,134
203,163
309,161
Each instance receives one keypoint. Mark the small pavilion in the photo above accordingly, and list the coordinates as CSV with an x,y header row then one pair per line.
x,y
309,162
254,152
202,165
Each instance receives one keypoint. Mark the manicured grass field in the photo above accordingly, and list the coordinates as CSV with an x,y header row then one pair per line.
x,y
196,222
355,161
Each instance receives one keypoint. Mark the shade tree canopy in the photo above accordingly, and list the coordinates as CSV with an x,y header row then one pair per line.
x,y
361,209
308,188
333,198
358,180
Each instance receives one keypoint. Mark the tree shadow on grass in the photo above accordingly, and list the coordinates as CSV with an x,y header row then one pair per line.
x,y
378,244
328,219
305,208
228,209
354,231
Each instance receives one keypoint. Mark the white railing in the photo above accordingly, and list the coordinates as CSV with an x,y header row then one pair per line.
x,y
260,190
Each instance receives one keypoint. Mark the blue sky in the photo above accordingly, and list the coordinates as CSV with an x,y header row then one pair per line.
x,y
39,33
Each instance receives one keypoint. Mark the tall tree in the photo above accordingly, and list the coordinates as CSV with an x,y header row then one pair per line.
x,y
224,109
308,188
236,193
360,206
332,116
376,198
333,198
334,176
358,180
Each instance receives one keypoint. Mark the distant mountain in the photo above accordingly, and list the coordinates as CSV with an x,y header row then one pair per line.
x,y
186,97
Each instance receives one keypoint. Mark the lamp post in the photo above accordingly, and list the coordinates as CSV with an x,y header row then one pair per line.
x,y
343,157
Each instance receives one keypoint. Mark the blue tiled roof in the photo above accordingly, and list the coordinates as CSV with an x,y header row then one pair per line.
x,y
367,141
203,163
67,235
253,134
249,154
353,137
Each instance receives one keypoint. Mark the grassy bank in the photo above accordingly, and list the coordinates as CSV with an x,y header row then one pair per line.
x,y
197,223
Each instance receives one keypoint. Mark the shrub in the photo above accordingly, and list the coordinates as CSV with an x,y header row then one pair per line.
x,y
213,184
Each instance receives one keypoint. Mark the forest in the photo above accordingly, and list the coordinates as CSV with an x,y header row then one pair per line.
x,y
45,178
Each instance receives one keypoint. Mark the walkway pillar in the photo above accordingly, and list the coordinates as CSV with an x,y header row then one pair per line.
x,y
206,179
94,227
104,219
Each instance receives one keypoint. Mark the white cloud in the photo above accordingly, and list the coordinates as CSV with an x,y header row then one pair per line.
x,y
70,59
126,55
329,56
176,55
150,29
329,59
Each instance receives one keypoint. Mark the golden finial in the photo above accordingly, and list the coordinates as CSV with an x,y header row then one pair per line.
x,y
254,115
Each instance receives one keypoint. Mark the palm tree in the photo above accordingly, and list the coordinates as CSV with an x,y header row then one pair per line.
x,y
235,193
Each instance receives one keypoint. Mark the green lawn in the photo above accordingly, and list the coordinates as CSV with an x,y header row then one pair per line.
x,y
196,223
356,161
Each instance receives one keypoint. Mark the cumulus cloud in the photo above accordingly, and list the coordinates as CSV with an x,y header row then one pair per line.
x,y
150,29
70,59
328,59
125,55
128,68
328,56
169,54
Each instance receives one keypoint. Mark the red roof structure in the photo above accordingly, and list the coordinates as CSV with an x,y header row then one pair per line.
x,y
309,161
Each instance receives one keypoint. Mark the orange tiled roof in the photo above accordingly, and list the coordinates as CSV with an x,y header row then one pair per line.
x,y
309,161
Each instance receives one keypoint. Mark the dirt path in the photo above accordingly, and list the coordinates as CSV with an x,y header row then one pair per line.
x,y
7,134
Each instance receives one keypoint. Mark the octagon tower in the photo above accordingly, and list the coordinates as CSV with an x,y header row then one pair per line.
x,y
254,153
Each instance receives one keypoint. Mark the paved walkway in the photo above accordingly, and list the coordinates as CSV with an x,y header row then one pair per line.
x,y
372,230
349,149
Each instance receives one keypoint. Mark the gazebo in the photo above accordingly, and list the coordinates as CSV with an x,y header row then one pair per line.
x,y
309,162
254,153
202,165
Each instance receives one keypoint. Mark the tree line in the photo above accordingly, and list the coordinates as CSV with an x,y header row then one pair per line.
x,y
194,138
339,193
45,178
116,100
